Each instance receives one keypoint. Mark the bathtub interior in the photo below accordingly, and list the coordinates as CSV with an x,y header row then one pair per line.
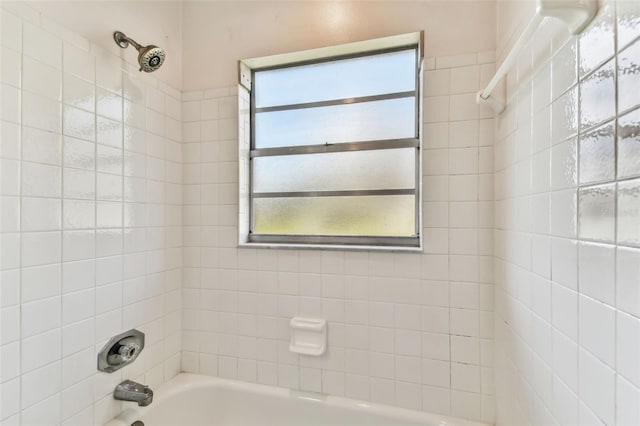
x,y
235,407
205,401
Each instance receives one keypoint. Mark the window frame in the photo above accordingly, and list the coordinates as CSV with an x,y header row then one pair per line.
x,y
368,242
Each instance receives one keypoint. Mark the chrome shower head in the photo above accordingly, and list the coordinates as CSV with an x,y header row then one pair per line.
x,y
150,57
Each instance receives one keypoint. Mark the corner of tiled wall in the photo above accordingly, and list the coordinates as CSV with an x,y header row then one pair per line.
x,y
567,168
91,221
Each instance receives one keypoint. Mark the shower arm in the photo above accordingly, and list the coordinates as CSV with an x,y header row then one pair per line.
x,y
123,41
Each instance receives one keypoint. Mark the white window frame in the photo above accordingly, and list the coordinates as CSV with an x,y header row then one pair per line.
x,y
248,67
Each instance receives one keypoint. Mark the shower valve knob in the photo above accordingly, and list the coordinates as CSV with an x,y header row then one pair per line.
x,y
120,350
128,351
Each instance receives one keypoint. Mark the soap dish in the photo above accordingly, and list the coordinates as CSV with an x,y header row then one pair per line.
x,y
308,336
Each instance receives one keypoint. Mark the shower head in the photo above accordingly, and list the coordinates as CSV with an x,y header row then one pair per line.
x,y
150,57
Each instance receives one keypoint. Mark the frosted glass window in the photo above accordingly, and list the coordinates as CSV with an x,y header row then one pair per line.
x,y
335,171
347,78
379,120
335,151
392,215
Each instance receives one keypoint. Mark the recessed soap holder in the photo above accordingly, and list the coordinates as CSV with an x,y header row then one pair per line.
x,y
308,336
120,350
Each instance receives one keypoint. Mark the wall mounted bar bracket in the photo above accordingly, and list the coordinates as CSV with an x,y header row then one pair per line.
x,y
576,14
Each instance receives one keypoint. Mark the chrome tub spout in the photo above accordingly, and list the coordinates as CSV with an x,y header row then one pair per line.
x,y
135,392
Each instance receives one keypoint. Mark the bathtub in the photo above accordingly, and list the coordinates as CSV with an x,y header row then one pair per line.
x,y
194,400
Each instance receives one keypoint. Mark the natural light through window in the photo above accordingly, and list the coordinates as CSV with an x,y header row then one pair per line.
x,y
335,150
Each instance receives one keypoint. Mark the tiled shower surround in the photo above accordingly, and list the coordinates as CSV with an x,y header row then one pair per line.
x,y
568,228
413,330
91,223
119,209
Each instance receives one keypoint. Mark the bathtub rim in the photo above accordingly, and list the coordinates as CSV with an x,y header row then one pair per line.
x,y
190,381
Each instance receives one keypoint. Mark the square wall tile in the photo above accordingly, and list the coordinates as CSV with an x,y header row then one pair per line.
x,y
465,79
627,403
597,329
41,350
597,213
79,124
565,359
41,112
436,82
41,282
597,96
41,180
541,88
564,167
564,310
11,35
629,77
628,348
598,155
40,146
436,399
565,403
597,386
41,79
629,145
41,316
436,109
10,326
40,214
628,212
627,278
10,73
78,93
9,140
78,62
10,361
41,248
628,20
563,213
564,116
597,42
42,45
597,269
564,69
564,262
10,103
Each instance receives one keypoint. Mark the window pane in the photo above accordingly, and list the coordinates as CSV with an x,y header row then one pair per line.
x,y
348,78
391,215
389,119
335,171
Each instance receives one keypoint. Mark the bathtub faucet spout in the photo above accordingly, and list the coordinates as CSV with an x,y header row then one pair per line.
x,y
132,391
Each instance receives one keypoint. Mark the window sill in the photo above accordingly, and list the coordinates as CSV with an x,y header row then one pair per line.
x,y
293,246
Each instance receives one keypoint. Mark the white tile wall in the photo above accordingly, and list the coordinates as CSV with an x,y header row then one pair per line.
x,y
91,224
96,187
567,319
404,329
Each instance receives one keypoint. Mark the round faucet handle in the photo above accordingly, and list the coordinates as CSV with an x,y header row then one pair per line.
x,y
128,351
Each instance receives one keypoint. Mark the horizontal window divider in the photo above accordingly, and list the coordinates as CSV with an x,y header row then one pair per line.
x,y
333,102
346,193
409,241
337,147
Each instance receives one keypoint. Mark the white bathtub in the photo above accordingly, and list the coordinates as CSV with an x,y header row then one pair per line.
x,y
194,400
